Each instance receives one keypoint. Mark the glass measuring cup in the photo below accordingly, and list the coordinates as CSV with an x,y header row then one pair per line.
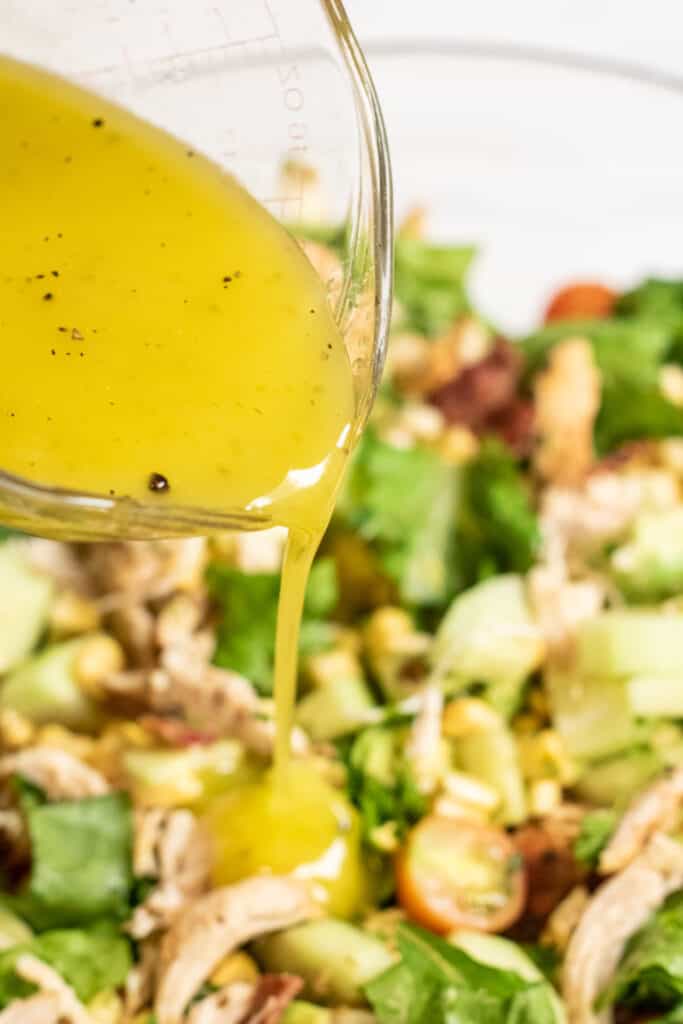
x,y
254,85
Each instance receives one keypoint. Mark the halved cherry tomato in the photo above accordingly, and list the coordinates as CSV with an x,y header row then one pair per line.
x,y
453,873
586,300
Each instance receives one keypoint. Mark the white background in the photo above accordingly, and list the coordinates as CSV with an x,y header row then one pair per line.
x,y
649,32
553,174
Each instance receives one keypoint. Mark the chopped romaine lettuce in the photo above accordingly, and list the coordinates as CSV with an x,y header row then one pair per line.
x,y
380,782
402,502
497,526
90,960
651,969
246,634
81,866
596,829
437,982
430,284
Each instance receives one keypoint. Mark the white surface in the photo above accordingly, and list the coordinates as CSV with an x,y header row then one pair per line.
x,y
554,172
647,31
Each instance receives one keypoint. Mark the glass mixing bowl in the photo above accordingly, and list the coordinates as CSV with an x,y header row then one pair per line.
x,y
255,85
554,166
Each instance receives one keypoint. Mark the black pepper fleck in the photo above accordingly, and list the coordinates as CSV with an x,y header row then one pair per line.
x,y
190,152
55,273
63,330
227,279
48,296
97,122
158,482
52,352
39,277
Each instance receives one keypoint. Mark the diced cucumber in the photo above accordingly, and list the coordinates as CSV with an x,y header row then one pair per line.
x,y
334,709
334,958
656,696
184,778
488,636
631,642
25,597
45,689
300,1012
592,715
375,753
490,754
13,931
495,951
650,566
614,782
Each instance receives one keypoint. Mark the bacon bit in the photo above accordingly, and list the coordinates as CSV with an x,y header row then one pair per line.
x,y
552,869
271,997
515,425
484,391
587,300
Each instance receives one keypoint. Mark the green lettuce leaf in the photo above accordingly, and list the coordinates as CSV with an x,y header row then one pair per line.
x,y
498,528
246,633
90,960
651,969
403,503
429,282
379,781
596,829
81,861
437,982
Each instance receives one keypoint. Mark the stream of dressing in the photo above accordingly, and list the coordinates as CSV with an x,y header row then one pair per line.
x,y
164,338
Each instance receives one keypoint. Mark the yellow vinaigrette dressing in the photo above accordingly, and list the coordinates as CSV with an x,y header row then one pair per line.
x,y
165,340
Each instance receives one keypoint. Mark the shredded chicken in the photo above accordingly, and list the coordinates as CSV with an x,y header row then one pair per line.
x,y
655,810
171,846
43,1008
560,604
69,1007
215,699
147,570
567,400
59,774
617,910
423,748
581,520
141,979
217,923
61,562
243,1003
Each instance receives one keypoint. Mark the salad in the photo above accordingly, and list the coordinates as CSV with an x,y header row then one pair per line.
x,y
491,694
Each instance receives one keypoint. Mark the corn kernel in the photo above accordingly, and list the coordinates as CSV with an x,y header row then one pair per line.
x,y
449,807
98,656
71,613
544,796
235,967
467,715
385,837
544,754
469,790
330,666
16,731
106,1008
458,445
